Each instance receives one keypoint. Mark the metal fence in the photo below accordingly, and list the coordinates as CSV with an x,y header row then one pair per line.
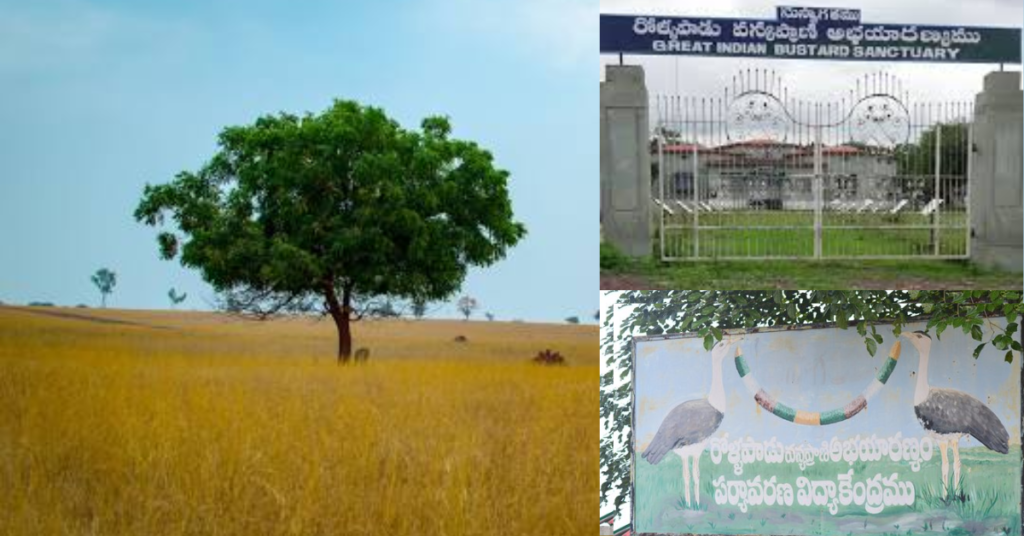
x,y
755,173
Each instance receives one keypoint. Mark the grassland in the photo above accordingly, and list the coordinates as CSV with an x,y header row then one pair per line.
x,y
751,233
619,273
845,237
140,423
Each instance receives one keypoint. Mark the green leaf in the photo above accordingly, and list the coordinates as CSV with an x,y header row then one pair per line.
x,y
716,332
1015,345
709,342
976,333
792,310
977,351
1009,357
777,296
878,338
872,346
862,328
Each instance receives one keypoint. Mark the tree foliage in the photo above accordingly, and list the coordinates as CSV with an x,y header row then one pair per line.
x,y
466,306
419,308
311,213
710,313
175,297
916,163
105,280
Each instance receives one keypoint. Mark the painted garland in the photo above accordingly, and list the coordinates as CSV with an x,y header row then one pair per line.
x,y
816,418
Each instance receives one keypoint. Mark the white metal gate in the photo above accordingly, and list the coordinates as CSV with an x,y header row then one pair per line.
x,y
757,173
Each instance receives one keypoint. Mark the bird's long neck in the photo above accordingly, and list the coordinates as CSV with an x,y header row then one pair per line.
x,y
921,391
716,397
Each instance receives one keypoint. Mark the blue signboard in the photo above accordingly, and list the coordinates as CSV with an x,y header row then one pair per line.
x,y
808,33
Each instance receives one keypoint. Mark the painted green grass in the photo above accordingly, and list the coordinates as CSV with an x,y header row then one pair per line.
x,y
989,502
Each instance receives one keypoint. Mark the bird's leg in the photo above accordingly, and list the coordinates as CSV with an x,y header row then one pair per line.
x,y
696,479
943,445
686,478
956,466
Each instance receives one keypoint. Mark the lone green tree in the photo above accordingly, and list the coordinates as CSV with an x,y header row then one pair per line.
x,y
308,213
175,297
105,280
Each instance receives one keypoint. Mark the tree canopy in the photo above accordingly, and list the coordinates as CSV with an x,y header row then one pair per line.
x,y
710,313
105,280
316,212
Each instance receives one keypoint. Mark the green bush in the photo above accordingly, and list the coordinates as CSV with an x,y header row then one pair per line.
x,y
612,258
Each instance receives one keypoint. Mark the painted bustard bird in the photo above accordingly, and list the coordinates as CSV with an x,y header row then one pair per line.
x,y
948,415
689,425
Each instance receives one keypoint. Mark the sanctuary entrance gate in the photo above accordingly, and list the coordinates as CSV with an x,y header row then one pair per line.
x,y
756,172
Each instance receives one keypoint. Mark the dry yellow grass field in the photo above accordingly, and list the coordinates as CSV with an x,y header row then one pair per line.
x,y
164,423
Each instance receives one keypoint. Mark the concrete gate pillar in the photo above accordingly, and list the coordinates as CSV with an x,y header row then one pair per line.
x,y
625,160
997,212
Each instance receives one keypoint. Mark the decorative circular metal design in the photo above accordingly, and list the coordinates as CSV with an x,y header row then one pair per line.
x,y
879,120
757,115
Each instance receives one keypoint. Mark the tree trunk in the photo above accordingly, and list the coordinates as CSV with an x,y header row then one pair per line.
x,y
342,315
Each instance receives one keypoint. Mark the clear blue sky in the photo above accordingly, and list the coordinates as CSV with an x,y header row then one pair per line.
x,y
98,98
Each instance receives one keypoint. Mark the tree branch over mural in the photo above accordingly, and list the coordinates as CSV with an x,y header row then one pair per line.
x,y
710,314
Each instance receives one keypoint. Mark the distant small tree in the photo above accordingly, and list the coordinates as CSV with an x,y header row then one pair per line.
x,y
573,320
490,317
175,297
419,308
597,315
466,305
384,310
105,280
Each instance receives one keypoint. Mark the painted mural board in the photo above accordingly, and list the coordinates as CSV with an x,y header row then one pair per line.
x,y
800,431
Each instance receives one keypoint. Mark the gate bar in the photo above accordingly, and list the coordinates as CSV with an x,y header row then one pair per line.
x,y
664,202
696,200
970,158
818,196
938,193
